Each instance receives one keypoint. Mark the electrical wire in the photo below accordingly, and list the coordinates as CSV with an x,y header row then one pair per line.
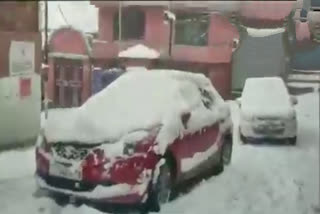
x,y
61,12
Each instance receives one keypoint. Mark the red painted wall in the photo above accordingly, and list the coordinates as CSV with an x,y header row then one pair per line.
x,y
219,49
67,40
220,76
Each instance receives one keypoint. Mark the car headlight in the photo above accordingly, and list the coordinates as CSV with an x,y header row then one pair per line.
x,y
129,149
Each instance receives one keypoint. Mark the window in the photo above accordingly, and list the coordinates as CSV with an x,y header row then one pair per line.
x,y
315,5
192,29
207,98
132,24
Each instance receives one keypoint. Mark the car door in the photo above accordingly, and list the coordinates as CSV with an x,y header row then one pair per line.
x,y
195,150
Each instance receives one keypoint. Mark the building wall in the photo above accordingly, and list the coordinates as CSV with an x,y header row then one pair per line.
x,y
219,49
258,57
20,115
67,40
19,16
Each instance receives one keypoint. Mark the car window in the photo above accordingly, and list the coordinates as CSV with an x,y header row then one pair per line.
x,y
207,98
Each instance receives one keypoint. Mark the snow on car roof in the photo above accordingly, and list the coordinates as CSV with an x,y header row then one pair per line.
x,y
267,95
136,100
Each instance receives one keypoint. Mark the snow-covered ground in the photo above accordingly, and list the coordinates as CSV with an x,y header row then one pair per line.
x,y
261,179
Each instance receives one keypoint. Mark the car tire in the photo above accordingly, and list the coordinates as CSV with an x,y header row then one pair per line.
x,y
61,200
225,155
161,192
293,141
243,139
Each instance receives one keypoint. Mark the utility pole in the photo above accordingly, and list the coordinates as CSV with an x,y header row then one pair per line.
x,y
46,31
170,17
120,24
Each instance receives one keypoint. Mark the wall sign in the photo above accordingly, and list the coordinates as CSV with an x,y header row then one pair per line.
x,y
25,87
21,58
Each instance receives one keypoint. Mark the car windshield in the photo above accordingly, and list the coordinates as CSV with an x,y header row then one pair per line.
x,y
169,107
265,92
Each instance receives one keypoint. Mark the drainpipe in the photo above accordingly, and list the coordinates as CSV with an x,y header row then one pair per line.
x,y
120,24
170,37
169,17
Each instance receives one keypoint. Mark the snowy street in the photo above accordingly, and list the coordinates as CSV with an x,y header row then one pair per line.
x,y
261,179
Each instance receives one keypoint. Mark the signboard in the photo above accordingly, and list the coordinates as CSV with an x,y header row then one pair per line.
x,y
25,87
21,58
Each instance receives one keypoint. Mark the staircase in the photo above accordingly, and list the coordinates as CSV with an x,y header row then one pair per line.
x,y
303,81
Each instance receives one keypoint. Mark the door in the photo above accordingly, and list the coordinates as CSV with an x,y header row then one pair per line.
x,y
195,151
68,83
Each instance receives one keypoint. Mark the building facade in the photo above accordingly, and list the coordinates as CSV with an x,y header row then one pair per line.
x,y
204,37
200,41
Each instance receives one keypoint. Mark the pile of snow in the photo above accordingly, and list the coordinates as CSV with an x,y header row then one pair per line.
x,y
139,51
265,97
263,179
136,100
260,179
254,32
12,165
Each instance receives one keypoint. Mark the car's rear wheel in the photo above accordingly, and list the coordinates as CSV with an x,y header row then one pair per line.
x,y
293,140
243,139
225,155
227,151
61,200
161,192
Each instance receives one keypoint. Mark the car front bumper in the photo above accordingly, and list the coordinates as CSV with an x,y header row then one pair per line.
x,y
248,131
259,140
117,193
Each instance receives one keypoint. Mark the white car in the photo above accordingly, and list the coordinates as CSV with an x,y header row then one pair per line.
x,y
267,112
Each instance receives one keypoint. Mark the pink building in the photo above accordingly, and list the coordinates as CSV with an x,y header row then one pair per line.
x,y
203,40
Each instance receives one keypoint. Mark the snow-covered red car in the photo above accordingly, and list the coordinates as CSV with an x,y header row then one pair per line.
x,y
134,141
267,111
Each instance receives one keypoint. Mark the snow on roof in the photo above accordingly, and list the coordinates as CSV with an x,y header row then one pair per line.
x,y
254,32
136,100
136,68
139,51
267,96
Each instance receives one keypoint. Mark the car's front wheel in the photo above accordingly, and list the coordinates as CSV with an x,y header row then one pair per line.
x,y
161,192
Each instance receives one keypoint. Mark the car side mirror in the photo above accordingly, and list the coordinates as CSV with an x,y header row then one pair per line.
x,y
185,117
293,100
238,101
